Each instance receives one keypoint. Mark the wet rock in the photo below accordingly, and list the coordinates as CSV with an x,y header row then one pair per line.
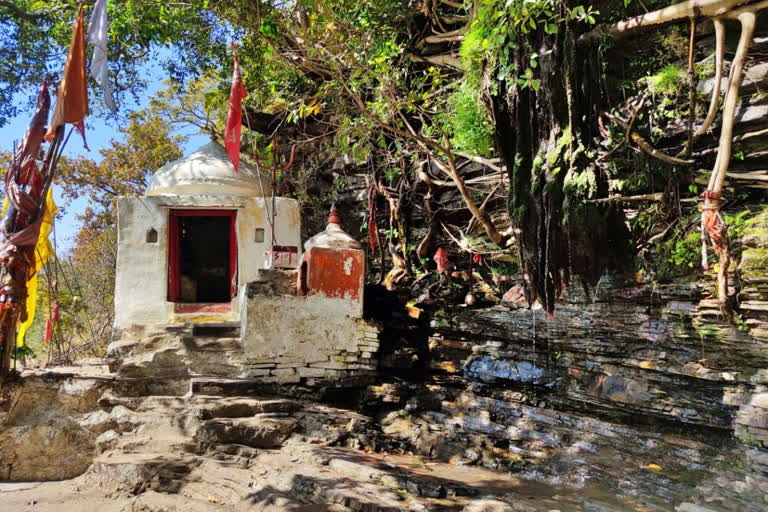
x,y
752,420
488,369
515,297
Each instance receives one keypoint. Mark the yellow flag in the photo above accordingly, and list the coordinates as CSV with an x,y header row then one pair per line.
x,y
43,251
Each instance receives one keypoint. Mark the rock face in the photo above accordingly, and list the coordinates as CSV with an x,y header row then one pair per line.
x,y
636,388
45,435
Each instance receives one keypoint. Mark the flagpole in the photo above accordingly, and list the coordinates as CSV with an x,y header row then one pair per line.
x,y
20,240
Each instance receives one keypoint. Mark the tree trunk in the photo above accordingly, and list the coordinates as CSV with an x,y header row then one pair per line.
x,y
544,136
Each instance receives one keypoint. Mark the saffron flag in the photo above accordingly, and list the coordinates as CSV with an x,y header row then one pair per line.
x,y
72,97
43,251
234,115
97,36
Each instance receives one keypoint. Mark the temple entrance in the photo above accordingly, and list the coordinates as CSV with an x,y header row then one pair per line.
x,y
202,256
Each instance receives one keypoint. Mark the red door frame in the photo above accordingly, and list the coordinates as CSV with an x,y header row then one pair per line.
x,y
174,281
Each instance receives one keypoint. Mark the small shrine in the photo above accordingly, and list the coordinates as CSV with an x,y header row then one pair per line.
x,y
211,281
188,247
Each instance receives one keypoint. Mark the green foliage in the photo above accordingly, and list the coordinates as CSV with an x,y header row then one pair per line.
x,y
676,253
339,187
686,251
441,318
469,123
737,224
35,35
493,39
22,352
741,323
668,81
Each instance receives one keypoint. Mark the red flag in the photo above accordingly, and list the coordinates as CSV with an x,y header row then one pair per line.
x,y
72,102
48,331
80,127
234,115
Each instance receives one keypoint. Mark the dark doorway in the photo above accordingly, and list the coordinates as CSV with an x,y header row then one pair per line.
x,y
202,256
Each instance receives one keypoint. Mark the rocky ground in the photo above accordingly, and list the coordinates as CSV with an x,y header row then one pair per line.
x,y
211,444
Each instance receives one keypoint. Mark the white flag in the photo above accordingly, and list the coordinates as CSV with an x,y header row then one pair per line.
x,y
97,36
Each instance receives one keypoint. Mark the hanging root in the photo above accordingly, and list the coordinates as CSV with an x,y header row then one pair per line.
x,y
718,232
719,56
646,146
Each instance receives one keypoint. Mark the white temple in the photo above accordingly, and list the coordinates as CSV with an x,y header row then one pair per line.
x,y
193,297
187,249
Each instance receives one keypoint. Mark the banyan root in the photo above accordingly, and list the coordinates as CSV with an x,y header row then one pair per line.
x,y
715,101
646,146
713,222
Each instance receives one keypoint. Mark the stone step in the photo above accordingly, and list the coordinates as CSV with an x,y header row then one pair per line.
x,y
149,444
262,431
241,407
217,330
210,344
202,406
220,386
136,473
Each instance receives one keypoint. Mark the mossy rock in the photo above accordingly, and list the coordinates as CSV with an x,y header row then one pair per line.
x,y
754,258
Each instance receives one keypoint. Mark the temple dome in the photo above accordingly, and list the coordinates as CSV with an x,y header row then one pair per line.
x,y
207,171
333,237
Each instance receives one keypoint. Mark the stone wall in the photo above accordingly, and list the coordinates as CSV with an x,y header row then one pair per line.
x,y
281,338
314,339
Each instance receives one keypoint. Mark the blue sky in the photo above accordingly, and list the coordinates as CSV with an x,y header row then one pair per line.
x,y
98,133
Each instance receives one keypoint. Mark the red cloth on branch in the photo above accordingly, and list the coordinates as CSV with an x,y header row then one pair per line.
x,y
441,258
716,228
48,331
55,313
372,218
234,115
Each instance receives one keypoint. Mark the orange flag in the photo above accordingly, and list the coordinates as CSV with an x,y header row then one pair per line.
x,y
72,98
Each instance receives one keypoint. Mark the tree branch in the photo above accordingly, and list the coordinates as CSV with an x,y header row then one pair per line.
x,y
669,14
445,59
20,13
